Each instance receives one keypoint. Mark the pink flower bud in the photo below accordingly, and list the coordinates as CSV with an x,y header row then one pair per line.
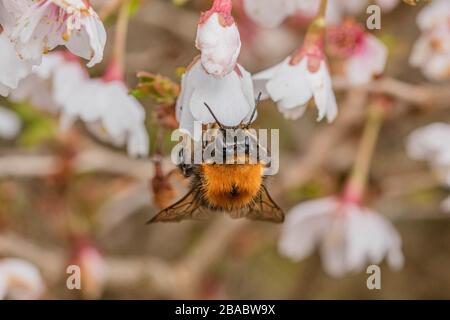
x,y
92,267
218,39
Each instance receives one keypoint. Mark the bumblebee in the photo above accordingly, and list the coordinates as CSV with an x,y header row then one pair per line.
x,y
236,187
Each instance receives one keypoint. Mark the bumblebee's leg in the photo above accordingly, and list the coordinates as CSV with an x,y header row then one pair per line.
x,y
186,168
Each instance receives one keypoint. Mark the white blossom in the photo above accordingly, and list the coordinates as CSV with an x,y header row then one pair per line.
x,y
431,52
45,24
364,56
432,144
230,98
368,60
37,88
103,103
435,14
20,280
348,236
293,85
219,42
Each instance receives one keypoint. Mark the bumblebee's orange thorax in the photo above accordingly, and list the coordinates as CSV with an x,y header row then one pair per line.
x,y
231,187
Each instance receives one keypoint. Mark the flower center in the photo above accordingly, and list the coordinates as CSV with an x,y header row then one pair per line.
x,y
345,39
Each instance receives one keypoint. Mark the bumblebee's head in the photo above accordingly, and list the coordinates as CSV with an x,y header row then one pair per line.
x,y
231,187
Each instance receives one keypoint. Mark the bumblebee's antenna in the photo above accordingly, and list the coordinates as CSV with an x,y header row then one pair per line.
x,y
214,116
258,99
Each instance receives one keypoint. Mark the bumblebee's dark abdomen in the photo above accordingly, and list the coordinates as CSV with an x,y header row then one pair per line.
x,y
230,187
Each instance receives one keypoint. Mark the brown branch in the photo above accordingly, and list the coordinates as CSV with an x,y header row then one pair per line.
x,y
96,159
436,96
299,169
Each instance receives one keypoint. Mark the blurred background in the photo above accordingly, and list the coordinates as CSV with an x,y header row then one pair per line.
x,y
71,199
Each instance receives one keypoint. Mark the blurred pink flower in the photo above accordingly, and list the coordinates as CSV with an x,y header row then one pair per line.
x,y
431,52
432,144
231,98
364,55
20,280
105,103
218,39
45,24
349,236
271,13
435,14
300,77
92,266
37,88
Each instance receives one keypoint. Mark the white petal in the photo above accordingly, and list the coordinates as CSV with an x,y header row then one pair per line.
x,y
305,226
138,142
290,87
324,98
12,68
226,97
220,46
183,111
67,81
370,61
334,247
108,103
261,78
428,142
89,42
10,124
293,114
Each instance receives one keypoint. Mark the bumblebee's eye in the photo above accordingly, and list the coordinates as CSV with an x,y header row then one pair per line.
x,y
234,191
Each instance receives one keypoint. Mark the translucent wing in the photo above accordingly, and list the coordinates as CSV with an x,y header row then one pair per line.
x,y
264,209
185,209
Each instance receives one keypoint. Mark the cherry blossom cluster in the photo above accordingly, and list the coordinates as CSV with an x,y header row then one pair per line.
x,y
432,144
57,82
30,29
431,52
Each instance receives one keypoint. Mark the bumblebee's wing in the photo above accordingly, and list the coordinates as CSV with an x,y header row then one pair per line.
x,y
265,208
185,209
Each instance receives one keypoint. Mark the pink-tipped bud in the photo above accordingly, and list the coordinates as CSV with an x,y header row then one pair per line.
x,y
218,39
223,9
92,267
